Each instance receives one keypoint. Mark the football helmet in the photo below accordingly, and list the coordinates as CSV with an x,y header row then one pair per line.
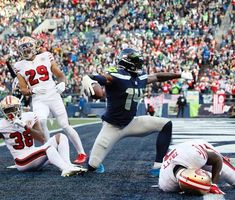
x,y
11,107
130,59
27,47
194,181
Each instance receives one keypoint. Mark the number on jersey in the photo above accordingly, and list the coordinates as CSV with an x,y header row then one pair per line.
x,y
41,70
22,140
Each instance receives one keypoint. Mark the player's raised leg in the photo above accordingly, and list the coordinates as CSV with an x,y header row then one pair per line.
x,y
150,125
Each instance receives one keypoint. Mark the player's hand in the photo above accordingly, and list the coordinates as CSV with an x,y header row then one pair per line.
x,y
187,75
19,123
87,85
215,189
60,87
39,90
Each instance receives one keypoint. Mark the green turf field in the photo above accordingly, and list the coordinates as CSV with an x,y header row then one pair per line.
x,y
53,125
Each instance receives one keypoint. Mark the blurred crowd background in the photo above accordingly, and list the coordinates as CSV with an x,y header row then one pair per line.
x,y
173,35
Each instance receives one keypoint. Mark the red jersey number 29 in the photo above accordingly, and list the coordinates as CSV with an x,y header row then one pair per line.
x,y
41,70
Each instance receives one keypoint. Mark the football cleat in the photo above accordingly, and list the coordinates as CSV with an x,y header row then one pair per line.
x,y
100,169
154,172
81,158
73,171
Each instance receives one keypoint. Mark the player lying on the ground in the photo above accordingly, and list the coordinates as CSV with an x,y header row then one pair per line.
x,y
19,131
195,167
124,86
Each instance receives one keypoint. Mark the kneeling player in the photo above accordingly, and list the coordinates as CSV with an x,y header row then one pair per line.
x,y
195,167
19,131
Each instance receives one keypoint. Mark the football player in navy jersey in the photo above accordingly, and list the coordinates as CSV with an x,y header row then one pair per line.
x,y
124,87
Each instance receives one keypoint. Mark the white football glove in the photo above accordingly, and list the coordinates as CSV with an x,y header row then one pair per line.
x,y
39,90
87,85
60,87
187,75
19,123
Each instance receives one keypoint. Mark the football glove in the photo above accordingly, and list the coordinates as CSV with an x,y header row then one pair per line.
x,y
187,75
87,85
60,87
39,90
19,123
215,189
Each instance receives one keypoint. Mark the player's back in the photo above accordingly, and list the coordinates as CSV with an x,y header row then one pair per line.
x,y
37,73
18,140
123,96
190,154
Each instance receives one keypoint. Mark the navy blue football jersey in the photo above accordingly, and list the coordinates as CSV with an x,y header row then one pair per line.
x,y
123,95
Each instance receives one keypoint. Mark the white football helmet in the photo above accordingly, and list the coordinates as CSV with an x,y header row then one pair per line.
x,y
194,181
11,107
27,47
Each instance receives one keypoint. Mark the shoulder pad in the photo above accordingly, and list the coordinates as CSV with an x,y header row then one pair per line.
x,y
111,69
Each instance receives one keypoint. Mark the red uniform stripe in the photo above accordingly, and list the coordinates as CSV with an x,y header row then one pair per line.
x,y
228,164
31,157
195,181
195,187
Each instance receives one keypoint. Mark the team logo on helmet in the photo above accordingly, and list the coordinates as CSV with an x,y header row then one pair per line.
x,y
130,59
27,47
194,181
11,107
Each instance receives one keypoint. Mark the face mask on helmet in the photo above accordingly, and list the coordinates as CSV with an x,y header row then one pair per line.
x,y
27,47
131,60
194,181
11,108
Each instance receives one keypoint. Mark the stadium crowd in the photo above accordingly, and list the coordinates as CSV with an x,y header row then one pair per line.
x,y
173,36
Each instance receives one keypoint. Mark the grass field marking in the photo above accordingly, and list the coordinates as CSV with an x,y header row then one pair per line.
x,y
75,126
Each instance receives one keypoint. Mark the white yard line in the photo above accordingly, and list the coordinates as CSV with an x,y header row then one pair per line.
x,y
213,197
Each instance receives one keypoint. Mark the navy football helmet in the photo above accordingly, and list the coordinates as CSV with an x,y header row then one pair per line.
x,y
130,59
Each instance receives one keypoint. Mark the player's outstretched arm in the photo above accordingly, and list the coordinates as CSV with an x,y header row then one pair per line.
x,y
161,77
166,76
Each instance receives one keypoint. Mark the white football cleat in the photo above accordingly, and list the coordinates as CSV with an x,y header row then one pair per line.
x,y
73,171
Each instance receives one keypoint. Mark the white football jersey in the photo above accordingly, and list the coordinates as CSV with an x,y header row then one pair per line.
x,y
17,139
191,154
37,73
